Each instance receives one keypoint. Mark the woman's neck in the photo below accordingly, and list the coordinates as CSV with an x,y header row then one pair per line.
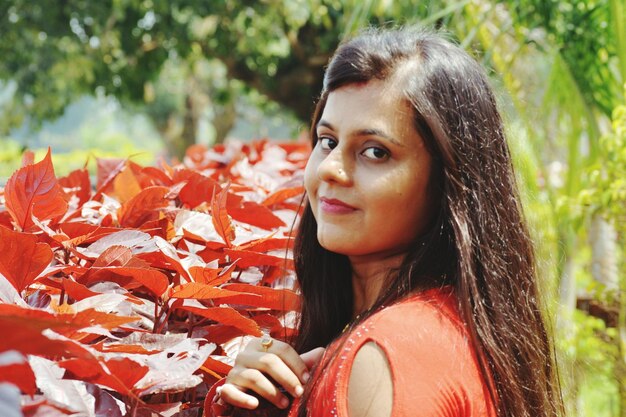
x,y
369,277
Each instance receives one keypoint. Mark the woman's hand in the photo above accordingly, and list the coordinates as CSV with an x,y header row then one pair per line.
x,y
256,364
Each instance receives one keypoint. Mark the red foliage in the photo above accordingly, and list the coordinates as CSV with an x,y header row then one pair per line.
x,y
131,297
36,257
33,191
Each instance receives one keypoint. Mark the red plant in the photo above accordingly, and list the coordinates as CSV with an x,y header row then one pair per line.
x,y
133,297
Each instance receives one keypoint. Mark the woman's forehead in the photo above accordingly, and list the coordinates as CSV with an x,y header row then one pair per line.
x,y
374,103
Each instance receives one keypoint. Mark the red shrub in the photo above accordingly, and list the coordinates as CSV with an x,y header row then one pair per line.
x,y
135,295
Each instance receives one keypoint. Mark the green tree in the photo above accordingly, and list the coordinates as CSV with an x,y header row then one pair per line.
x,y
55,52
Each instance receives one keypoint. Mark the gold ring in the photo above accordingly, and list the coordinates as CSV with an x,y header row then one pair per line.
x,y
266,342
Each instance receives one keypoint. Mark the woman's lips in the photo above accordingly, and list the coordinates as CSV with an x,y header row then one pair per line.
x,y
334,206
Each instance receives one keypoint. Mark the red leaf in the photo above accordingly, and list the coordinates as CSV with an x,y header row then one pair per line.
x,y
77,291
123,348
266,244
34,191
199,189
34,256
5,220
126,371
22,328
202,292
118,260
244,294
77,183
158,177
227,316
108,169
155,281
162,260
272,274
143,207
220,218
212,276
19,374
65,324
196,153
85,232
220,334
249,258
209,255
204,275
114,256
91,317
216,366
270,323
282,195
256,215
125,184
119,374
275,299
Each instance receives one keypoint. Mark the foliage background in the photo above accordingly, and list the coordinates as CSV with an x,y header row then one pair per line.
x,y
191,71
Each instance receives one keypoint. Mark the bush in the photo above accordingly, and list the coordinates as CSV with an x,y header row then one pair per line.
x,y
133,295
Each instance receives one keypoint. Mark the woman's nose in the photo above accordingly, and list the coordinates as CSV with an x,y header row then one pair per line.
x,y
334,168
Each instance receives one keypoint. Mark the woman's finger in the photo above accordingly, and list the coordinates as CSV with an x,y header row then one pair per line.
x,y
236,396
288,355
256,381
312,357
273,366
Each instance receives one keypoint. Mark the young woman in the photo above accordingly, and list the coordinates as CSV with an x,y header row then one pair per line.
x,y
414,262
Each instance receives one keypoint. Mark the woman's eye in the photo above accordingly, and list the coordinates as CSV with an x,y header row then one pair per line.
x,y
327,143
375,153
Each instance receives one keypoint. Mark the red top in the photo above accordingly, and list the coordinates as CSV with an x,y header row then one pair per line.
x,y
433,366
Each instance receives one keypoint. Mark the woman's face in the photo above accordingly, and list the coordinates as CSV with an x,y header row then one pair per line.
x,y
368,175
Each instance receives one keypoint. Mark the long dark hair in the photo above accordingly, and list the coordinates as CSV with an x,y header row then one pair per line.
x,y
478,241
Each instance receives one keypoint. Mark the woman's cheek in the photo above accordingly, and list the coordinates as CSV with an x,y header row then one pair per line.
x,y
311,185
309,177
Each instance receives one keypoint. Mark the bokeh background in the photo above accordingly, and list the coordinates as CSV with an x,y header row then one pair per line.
x,y
149,78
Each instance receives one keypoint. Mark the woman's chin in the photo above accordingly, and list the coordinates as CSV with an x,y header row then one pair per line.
x,y
342,247
334,245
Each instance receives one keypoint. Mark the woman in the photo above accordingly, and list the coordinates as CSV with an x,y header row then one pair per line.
x,y
412,255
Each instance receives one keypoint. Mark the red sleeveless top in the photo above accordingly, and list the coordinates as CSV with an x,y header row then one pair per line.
x,y
434,368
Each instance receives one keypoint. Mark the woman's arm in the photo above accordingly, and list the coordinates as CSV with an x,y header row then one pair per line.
x,y
370,387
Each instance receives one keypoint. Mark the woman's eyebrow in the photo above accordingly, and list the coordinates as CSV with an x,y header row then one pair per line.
x,y
379,133
324,123
364,132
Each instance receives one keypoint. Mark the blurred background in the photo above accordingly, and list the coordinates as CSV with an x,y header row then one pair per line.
x,y
150,78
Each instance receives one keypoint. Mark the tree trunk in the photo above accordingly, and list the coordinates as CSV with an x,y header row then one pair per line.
x,y
224,120
170,130
178,131
603,240
191,119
